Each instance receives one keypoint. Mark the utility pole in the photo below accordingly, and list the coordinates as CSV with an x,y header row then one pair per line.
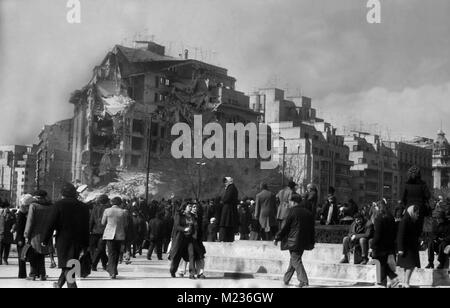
x,y
148,158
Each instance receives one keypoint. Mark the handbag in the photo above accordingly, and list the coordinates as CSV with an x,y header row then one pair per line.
x,y
86,265
25,253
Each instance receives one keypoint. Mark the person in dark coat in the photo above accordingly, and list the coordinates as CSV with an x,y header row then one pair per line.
x,y
440,239
183,240
212,230
96,229
7,221
156,235
266,212
408,242
229,217
168,226
199,248
417,193
245,218
297,235
140,230
38,222
383,244
21,221
330,213
208,212
312,199
358,236
70,220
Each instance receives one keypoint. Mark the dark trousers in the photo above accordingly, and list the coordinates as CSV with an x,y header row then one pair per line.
x,y
137,247
269,236
4,251
438,247
22,264
166,242
226,234
244,236
385,269
158,244
296,265
363,243
98,250
177,258
63,279
37,265
113,256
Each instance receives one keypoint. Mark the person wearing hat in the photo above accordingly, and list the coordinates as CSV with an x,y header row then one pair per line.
x,y
330,212
416,192
440,240
97,245
115,220
7,221
312,198
284,197
229,216
266,212
70,220
38,221
21,221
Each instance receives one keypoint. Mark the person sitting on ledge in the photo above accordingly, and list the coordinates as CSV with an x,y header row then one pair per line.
x,y
440,240
359,235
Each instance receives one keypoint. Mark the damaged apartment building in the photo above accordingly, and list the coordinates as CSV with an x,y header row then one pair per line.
x,y
131,102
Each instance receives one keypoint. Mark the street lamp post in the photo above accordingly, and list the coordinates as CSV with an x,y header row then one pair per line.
x,y
149,149
199,164
284,153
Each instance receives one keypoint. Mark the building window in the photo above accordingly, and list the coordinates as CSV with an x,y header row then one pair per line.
x,y
306,136
355,148
137,144
316,165
135,160
156,97
138,126
156,81
136,87
361,160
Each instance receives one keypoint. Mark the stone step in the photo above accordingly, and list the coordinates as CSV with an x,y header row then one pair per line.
x,y
326,253
319,270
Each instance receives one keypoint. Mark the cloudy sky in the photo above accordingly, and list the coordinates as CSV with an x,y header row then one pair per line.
x,y
393,77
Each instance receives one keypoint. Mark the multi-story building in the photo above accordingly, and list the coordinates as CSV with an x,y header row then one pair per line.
x,y
375,168
309,148
134,97
17,171
54,156
411,153
441,161
275,108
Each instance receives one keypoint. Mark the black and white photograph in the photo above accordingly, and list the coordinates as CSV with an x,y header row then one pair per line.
x,y
245,147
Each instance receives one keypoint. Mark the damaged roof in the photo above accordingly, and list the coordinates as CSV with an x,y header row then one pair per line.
x,y
141,55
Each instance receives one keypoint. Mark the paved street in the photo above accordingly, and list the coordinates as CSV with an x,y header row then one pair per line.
x,y
148,274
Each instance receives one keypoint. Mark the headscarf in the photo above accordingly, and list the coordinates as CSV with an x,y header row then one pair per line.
x,y
25,202
228,180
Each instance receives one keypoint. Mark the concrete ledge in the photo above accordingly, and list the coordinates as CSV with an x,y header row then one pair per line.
x,y
263,258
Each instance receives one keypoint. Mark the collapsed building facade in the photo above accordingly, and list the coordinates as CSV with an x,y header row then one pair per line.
x,y
127,109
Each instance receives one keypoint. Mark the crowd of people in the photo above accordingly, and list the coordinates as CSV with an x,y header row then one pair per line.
x,y
111,230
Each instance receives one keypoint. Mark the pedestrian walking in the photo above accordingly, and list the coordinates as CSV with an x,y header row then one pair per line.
x,y
7,221
70,220
284,201
156,236
383,244
38,222
266,212
297,235
115,220
408,242
96,229
21,221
